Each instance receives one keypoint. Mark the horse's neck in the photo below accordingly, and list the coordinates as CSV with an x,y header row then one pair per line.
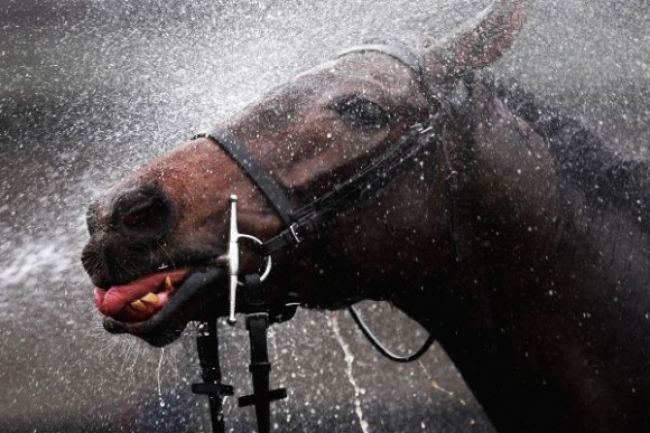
x,y
547,284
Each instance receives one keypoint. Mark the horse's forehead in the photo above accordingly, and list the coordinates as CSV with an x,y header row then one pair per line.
x,y
377,76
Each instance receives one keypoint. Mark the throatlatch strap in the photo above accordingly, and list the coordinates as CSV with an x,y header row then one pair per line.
x,y
274,193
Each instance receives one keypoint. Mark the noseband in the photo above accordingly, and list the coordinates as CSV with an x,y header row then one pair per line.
x,y
299,224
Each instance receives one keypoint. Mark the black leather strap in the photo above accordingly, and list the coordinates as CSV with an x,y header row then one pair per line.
x,y
208,346
257,324
311,218
274,193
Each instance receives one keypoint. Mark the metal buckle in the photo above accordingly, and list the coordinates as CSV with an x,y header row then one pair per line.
x,y
294,233
231,259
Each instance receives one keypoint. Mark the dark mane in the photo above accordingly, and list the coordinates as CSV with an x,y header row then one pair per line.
x,y
605,178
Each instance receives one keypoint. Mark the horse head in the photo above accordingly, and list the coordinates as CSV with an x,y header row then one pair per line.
x,y
311,133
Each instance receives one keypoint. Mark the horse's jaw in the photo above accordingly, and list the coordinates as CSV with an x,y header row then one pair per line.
x,y
195,299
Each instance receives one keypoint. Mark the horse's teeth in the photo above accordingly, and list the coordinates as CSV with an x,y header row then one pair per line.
x,y
168,283
138,305
150,298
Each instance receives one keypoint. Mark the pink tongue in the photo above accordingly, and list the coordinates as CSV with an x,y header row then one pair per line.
x,y
113,300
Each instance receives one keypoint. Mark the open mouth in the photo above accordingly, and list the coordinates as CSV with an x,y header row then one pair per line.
x,y
157,307
140,299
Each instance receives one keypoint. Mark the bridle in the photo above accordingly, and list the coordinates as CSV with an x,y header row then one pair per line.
x,y
299,224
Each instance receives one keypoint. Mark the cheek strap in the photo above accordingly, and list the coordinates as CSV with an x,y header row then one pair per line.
x,y
275,194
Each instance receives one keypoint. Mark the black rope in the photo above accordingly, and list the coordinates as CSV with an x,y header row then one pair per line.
x,y
383,349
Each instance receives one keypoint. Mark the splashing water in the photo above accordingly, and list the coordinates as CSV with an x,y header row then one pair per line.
x,y
89,90
160,361
333,323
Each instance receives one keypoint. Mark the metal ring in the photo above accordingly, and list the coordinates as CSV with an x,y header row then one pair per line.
x,y
267,270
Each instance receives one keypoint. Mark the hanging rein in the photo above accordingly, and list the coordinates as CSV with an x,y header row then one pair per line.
x,y
245,294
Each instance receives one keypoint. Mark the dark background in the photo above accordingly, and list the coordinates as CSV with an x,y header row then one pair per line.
x,y
91,89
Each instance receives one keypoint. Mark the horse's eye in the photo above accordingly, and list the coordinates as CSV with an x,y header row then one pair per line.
x,y
361,113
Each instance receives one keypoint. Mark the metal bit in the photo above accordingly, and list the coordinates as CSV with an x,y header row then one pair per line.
x,y
231,259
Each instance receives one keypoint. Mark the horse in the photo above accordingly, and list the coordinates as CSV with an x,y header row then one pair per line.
x,y
520,241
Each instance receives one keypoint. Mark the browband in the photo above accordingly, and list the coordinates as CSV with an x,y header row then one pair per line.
x,y
398,52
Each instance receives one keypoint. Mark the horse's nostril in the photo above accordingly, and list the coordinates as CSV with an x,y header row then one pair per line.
x,y
144,212
149,211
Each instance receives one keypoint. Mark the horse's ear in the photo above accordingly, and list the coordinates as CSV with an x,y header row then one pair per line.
x,y
479,41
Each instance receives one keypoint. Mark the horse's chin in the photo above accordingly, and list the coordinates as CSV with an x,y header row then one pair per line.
x,y
179,296
153,333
